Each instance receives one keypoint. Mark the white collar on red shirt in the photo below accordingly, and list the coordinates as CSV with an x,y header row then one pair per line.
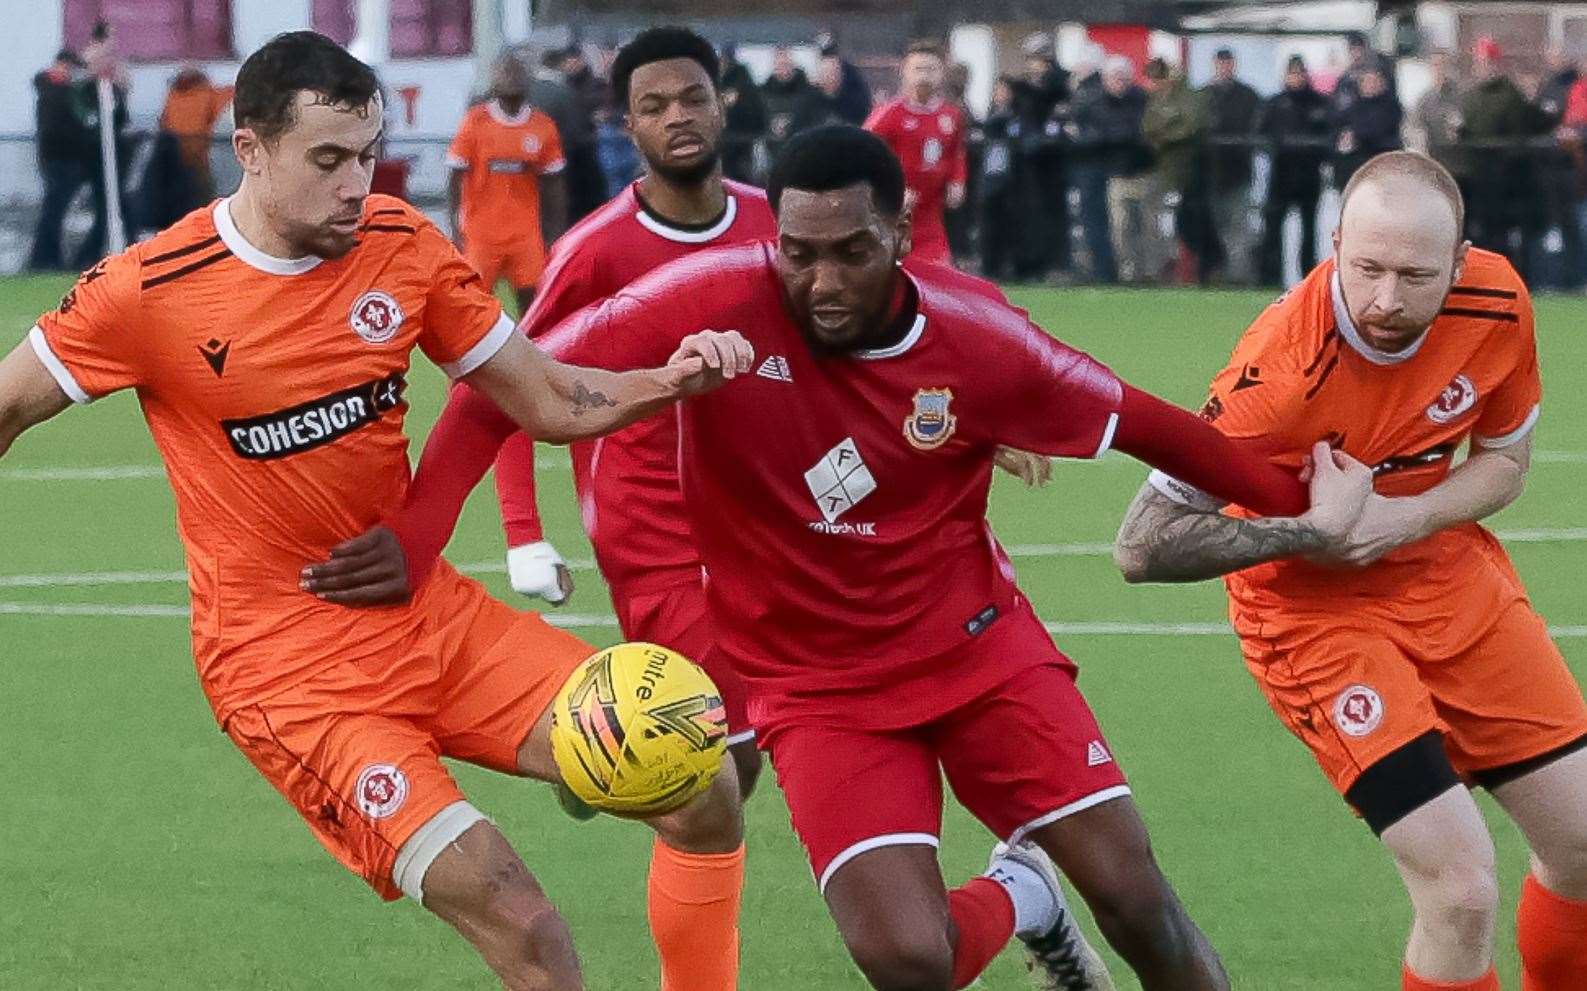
x,y
922,108
232,238
501,116
683,235
910,340
1347,330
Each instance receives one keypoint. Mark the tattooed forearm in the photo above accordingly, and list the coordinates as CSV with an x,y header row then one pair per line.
x,y
584,400
1163,541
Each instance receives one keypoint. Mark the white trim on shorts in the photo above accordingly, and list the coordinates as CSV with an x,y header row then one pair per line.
x,y
734,739
1078,805
421,849
874,843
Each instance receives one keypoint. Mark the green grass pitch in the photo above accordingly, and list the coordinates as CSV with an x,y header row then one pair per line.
x,y
139,851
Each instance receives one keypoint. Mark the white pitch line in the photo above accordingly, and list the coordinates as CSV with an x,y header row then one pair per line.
x,y
588,620
1536,535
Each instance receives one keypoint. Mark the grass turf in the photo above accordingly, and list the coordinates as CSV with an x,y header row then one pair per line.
x,y
140,851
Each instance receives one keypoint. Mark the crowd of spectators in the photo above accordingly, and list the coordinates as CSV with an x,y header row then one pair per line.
x,y
1104,171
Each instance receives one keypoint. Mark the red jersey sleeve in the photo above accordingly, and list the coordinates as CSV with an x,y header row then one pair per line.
x,y
880,122
569,284
90,342
464,325
1512,410
958,155
1056,400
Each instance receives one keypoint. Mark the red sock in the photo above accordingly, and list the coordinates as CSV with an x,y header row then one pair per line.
x,y
1552,933
694,900
1410,982
983,915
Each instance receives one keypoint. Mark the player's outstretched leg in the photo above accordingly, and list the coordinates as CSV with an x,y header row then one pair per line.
x,y
477,884
1445,856
1105,853
696,883
1550,805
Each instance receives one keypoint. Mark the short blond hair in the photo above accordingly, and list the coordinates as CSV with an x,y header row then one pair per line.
x,y
1416,167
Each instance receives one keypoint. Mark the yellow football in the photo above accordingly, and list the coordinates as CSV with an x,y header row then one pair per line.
x,y
638,730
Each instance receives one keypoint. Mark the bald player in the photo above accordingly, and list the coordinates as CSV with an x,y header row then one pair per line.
x,y
1406,657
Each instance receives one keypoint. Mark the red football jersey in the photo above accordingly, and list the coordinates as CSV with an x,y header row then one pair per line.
x,y
627,482
839,504
929,143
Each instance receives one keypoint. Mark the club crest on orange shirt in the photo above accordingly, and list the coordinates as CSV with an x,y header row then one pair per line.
x,y
1457,397
376,317
930,424
1358,710
381,790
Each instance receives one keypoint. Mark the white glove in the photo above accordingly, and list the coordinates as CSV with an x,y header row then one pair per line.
x,y
538,570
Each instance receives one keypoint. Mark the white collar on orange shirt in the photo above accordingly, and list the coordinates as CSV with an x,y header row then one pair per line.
x,y
501,116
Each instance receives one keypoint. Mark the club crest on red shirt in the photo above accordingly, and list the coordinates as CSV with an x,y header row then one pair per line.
x,y
930,425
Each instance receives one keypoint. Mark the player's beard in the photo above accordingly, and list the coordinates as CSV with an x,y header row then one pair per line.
x,y
692,174
871,325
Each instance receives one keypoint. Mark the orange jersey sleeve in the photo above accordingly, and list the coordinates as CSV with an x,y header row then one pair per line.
x,y
87,343
548,158
463,150
1512,408
464,324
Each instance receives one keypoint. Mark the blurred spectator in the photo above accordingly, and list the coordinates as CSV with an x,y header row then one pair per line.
x,y
851,96
68,148
620,164
192,106
1176,124
998,201
1296,125
960,220
101,61
1367,125
745,121
1434,125
1110,165
1040,98
1559,257
785,92
822,102
550,93
1233,106
586,183
1135,188
1554,91
1360,59
1504,211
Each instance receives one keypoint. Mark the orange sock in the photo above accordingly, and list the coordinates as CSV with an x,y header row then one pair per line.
x,y
1410,982
694,899
1552,933
983,915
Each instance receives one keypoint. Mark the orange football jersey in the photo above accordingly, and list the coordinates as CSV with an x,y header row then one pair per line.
x,y
274,390
502,158
1302,373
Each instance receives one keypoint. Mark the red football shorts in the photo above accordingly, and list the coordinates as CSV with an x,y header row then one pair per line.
x,y
1025,754
677,618
357,748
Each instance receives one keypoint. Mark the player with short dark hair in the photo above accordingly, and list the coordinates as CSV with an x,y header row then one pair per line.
x,y
927,133
1407,658
839,508
661,44
268,337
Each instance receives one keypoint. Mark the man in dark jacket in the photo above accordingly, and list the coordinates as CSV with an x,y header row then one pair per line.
x,y
852,99
745,122
1368,125
1505,209
787,93
1040,98
1233,106
1296,127
1104,132
67,150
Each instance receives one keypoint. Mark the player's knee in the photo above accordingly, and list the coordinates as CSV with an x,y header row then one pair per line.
x,y
1460,902
1564,857
523,917
900,961
713,822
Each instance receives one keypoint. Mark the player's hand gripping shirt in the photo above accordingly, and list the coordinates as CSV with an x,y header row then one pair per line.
x,y
274,390
839,505
1303,373
627,482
